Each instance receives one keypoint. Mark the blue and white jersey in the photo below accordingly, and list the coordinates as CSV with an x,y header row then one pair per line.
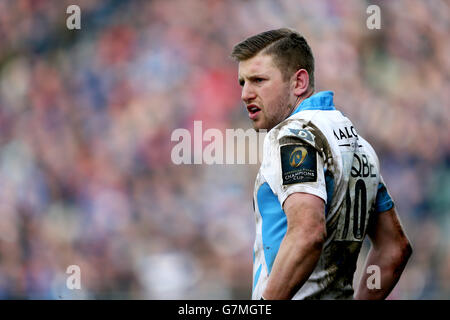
x,y
317,150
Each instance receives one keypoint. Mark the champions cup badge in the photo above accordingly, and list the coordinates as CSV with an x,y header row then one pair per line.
x,y
298,155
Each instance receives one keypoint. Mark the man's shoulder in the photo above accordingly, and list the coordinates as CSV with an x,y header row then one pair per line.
x,y
311,127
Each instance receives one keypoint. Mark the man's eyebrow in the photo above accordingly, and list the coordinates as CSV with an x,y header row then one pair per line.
x,y
256,76
253,77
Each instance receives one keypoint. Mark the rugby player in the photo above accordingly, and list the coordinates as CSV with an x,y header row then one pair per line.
x,y
319,190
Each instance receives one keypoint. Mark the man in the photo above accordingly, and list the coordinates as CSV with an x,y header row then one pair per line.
x,y
319,190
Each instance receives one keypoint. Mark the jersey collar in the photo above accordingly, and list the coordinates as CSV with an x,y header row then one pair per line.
x,y
322,100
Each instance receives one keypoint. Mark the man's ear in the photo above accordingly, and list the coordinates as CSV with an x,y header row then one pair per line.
x,y
301,82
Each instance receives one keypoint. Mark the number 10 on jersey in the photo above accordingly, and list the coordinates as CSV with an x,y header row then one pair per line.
x,y
353,220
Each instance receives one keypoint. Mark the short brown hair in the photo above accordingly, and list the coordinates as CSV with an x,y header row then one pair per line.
x,y
289,50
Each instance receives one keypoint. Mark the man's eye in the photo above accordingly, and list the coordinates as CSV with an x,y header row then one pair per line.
x,y
258,80
241,83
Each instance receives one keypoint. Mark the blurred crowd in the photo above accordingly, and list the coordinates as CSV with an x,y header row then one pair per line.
x,y
86,117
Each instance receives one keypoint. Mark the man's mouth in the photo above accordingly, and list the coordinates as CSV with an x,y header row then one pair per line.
x,y
253,111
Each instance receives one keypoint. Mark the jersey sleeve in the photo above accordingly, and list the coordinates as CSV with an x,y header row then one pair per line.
x,y
292,163
383,201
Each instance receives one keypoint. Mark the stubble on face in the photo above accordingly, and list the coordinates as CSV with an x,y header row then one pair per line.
x,y
277,113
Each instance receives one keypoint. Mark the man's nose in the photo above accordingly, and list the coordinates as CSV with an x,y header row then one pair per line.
x,y
247,93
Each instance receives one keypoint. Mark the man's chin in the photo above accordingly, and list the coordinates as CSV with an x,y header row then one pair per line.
x,y
257,126
260,126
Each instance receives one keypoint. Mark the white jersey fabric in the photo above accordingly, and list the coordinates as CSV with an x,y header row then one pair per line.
x,y
317,150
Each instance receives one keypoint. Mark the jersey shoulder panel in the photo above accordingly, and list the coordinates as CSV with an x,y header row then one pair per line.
x,y
292,160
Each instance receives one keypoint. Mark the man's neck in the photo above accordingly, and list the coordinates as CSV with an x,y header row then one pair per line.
x,y
300,99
